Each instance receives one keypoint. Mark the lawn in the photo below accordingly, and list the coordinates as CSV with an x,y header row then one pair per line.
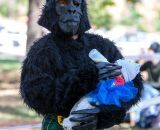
x,y
12,109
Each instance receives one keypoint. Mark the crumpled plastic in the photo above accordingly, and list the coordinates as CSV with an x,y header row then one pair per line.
x,y
108,93
129,69
117,90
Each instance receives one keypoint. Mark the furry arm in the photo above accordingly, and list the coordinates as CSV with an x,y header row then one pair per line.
x,y
46,91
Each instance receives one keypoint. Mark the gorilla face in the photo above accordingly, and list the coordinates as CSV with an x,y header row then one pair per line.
x,y
65,17
69,13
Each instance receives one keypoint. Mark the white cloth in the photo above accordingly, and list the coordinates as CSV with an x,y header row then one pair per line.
x,y
129,69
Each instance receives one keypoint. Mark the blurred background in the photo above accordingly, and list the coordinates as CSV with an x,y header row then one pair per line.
x,y
134,25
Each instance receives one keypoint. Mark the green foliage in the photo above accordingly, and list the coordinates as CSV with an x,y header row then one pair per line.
x,y
98,13
157,21
9,64
133,1
4,9
133,19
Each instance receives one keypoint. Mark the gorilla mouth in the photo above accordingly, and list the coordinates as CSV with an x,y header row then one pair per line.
x,y
71,21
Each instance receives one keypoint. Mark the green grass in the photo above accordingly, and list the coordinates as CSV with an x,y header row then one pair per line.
x,y
13,108
9,64
17,113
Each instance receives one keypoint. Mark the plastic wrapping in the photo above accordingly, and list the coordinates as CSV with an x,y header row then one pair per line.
x,y
108,93
117,90
129,69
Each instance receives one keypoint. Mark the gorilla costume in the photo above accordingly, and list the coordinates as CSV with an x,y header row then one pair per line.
x,y
57,71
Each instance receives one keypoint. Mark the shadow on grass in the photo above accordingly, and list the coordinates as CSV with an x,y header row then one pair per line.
x,y
18,112
9,61
7,65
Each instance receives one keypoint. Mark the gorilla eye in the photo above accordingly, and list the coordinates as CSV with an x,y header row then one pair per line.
x,y
76,3
62,2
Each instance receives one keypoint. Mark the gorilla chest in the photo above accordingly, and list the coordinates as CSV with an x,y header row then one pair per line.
x,y
75,58
74,55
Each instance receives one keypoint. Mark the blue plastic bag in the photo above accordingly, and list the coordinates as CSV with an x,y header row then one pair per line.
x,y
107,93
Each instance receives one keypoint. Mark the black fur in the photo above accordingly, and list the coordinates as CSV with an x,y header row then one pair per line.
x,y
57,72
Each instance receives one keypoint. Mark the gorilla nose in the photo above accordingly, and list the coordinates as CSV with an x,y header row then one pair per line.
x,y
71,10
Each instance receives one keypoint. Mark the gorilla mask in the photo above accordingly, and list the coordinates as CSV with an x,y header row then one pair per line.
x,y
69,12
68,17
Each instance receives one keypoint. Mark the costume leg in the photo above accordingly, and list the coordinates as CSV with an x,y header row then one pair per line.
x,y
50,123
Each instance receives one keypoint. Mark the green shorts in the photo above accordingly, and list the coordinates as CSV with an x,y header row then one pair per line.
x,y
50,122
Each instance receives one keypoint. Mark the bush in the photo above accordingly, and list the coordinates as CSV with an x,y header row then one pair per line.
x,y
133,19
98,13
157,21
4,9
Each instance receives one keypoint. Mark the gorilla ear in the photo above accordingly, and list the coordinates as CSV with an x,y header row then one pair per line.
x,y
48,17
85,24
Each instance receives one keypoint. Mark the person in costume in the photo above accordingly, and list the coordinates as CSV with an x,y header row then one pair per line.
x,y
57,71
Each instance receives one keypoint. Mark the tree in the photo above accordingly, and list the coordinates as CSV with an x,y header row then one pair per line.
x,y
34,30
133,1
98,13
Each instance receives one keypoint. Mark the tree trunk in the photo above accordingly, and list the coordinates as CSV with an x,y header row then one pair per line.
x,y
34,30
12,5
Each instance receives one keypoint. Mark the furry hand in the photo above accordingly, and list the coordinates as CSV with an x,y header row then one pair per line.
x,y
108,70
